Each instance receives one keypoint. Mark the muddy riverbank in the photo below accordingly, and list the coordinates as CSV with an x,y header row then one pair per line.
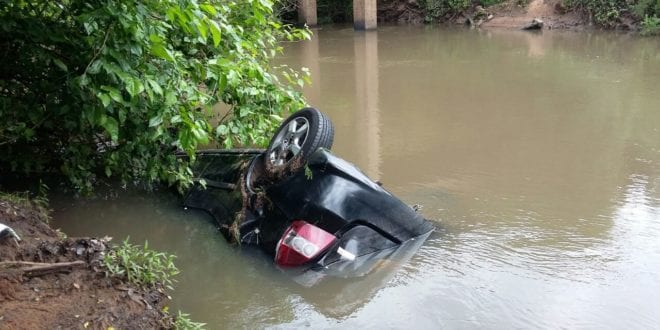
x,y
511,14
49,281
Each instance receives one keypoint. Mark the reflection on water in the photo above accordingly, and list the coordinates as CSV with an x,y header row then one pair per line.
x,y
367,138
539,154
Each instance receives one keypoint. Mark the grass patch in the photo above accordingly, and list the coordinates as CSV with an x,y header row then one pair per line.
x,y
141,265
183,322
27,200
650,26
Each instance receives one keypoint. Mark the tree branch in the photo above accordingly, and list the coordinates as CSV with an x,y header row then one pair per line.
x,y
40,268
98,51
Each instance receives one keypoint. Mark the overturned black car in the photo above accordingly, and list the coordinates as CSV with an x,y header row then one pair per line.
x,y
301,204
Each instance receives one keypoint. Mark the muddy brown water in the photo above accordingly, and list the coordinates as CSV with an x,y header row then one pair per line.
x,y
537,154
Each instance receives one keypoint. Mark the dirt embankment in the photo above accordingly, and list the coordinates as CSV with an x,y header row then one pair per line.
x,y
510,14
553,14
47,282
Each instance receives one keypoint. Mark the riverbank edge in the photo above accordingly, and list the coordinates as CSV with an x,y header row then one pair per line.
x,y
508,15
48,280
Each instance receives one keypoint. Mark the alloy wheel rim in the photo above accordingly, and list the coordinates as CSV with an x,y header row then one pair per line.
x,y
289,142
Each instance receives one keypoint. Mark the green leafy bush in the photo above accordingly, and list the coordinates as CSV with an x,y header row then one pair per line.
x,y
601,12
141,266
438,9
650,26
647,8
92,88
609,13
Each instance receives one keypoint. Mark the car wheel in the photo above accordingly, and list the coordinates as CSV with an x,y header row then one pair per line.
x,y
298,137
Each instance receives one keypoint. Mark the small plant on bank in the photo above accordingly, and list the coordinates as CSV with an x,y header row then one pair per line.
x,y
18,198
140,265
27,200
650,11
183,322
651,26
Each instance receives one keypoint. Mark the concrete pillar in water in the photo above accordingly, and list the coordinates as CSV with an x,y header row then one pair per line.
x,y
364,14
367,112
307,12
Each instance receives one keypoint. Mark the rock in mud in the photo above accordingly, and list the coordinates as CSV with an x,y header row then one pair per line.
x,y
536,24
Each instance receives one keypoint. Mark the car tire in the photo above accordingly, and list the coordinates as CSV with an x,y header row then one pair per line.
x,y
299,136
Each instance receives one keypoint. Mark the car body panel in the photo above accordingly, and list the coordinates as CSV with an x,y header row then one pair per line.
x,y
328,192
337,196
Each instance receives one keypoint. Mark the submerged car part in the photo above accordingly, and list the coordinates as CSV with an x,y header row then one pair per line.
x,y
319,212
333,195
299,135
301,243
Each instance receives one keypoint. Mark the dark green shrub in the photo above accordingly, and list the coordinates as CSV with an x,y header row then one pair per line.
x,y
604,13
645,8
650,26
114,87
438,9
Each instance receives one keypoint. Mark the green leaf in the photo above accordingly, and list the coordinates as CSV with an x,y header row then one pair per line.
x,y
105,99
208,8
114,93
155,87
95,67
111,127
200,134
222,130
60,65
215,32
134,86
155,121
170,98
159,50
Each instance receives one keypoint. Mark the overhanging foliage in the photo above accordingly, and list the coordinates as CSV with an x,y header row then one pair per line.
x,y
115,87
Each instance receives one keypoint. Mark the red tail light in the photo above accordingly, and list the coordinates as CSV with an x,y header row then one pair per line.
x,y
300,243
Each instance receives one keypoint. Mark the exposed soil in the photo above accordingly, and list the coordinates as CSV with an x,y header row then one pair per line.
x,y
47,282
510,15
